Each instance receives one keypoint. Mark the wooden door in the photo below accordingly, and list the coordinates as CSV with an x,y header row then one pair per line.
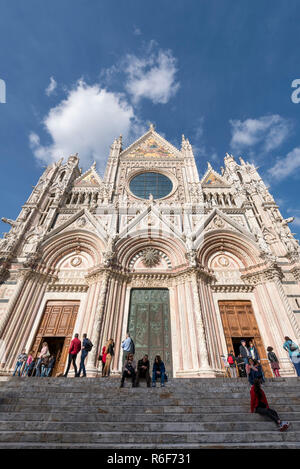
x,y
238,320
58,320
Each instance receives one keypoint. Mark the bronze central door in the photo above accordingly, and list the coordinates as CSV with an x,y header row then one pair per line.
x,y
149,325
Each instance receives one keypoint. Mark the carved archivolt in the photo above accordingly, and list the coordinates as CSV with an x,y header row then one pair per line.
x,y
150,258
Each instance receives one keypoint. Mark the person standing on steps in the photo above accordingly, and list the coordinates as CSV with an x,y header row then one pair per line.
x,y
109,355
294,353
86,348
259,405
28,363
274,362
232,364
244,352
21,359
74,349
253,351
44,353
127,346
102,358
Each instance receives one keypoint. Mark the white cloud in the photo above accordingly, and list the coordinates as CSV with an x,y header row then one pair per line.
x,y
286,166
267,131
152,77
87,122
51,87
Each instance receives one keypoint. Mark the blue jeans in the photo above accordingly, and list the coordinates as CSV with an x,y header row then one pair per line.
x,y
25,370
82,367
48,371
38,367
297,367
18,368
155,375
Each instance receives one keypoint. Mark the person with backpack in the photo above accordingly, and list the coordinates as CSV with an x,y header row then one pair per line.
x,y
86,348
127,346
274,362
294,353
259,405
232,367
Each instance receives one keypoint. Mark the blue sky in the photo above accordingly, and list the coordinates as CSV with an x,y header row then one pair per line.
x,y
80,73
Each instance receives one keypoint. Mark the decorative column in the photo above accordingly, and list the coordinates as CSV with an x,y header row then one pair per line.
x,y
92,356
23,276
205,368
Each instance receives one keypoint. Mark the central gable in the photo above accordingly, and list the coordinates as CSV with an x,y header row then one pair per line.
x,y
151,145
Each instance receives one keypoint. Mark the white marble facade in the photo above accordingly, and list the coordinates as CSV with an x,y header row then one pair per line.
x,y
83,237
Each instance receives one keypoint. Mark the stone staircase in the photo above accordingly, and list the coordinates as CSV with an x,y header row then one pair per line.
x,y
187,413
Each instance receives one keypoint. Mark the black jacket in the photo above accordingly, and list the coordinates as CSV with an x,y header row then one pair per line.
x,y
142,363
244,351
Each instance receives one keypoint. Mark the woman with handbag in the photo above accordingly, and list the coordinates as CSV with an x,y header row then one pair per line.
x,y
294,353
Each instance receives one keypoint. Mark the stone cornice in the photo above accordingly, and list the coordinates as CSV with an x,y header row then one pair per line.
x,y
262,275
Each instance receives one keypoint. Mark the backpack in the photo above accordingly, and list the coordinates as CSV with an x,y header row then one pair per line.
x,y
230,360
293,347
88,345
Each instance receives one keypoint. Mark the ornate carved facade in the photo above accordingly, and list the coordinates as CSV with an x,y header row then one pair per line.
x,y
150,223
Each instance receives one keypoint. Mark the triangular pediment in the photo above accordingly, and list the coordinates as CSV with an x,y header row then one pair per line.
x,y
151,145
213,179
82,220
218,220
89,179
148,222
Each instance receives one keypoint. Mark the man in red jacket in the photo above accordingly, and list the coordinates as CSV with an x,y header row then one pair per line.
x,y
74,349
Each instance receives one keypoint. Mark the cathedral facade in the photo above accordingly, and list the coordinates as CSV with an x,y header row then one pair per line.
x,y
189,267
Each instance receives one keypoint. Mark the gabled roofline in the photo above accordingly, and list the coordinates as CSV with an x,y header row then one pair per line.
x,y
144,137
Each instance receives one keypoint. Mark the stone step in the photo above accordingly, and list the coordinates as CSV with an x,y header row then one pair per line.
x,y
153,409
146,393
89,418
82,401
142,427
142,438
166,446
176,382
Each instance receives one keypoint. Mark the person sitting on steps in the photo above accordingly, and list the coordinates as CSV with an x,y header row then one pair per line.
x,y
158,371
259,405
129,370
143,370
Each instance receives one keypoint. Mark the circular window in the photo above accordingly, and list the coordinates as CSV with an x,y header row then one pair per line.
x,y
148,183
